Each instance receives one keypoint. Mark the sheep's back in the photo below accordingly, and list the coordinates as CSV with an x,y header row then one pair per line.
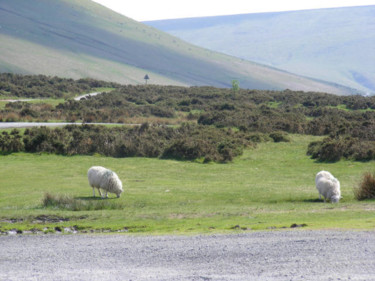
x,y
323,175
324,186
328,187
104,178
95,176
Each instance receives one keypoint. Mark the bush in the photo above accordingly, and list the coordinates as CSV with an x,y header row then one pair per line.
x,y
333,149
279,137
11,142
185,149
187,142
313,149
366,188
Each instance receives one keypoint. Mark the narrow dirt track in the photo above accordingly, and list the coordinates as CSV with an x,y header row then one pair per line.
x,y
274,255
18,125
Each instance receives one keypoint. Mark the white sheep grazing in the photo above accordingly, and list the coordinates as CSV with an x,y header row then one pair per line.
x,y
328,186
105,179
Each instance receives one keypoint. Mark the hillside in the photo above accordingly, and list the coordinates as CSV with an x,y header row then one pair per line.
x,y
79,39
335,45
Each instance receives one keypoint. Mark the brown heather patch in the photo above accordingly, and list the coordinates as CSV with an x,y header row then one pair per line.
x,y
366,188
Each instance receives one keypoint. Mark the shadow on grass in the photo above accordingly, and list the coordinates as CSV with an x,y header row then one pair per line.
x,y
316,200
310,200
91,198
66,202
5,153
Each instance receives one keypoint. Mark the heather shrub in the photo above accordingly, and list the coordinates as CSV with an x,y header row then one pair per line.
x,y
187,142
332,149
279,137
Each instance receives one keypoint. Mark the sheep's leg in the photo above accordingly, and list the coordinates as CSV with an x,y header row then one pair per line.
x,y
93,191
106,194
100,193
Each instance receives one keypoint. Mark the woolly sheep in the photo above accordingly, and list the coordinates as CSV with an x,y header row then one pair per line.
x,y
328,186
105,179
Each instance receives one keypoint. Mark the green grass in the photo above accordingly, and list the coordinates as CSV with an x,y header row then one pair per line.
x,y
53,102
345,108
269,187
274,104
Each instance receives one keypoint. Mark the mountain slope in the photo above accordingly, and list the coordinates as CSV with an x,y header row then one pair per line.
x,y
331,44
79,38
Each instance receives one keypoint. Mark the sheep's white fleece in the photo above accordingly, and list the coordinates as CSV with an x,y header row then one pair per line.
x,y
328,186
105,179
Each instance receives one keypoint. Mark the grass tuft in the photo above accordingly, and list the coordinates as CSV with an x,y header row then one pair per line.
x,y
366,188
66,202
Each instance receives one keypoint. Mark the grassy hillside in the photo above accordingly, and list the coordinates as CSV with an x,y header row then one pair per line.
x,y
83,39
330,44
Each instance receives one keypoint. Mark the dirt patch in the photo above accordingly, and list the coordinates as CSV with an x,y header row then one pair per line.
x,y
41,219
12,220
294,225
55,219
49,219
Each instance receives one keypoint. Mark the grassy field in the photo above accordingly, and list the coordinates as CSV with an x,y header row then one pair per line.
x,y
269,187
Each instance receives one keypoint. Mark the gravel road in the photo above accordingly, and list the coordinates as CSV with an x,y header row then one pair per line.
x,y
274,255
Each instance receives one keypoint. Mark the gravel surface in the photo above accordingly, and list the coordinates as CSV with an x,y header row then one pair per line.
x,y
274,255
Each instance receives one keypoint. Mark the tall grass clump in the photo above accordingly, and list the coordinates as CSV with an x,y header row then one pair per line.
x,y
66,202
366,188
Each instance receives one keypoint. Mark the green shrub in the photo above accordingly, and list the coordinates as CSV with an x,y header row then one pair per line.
x,y
279,137
333,149
185,149
11,142
187,142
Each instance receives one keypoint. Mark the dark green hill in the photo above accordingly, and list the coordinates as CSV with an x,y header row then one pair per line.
x,y
335,45
80,38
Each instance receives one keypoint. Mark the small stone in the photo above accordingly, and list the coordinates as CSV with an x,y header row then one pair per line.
x,y
58,229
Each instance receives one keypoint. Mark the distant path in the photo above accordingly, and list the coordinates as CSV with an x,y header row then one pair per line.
x,y
87,95
20,100
9,125
273,255
76,98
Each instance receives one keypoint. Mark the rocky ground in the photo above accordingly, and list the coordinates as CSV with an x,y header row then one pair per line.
x,y
272,255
